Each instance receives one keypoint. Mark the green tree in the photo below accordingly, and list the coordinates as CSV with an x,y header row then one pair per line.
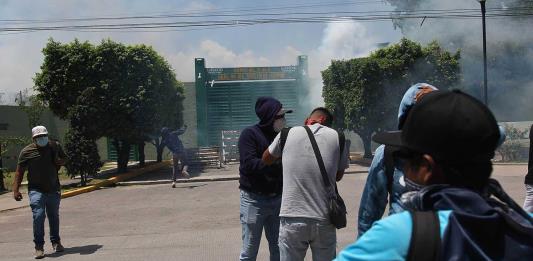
x,y
82,155
108,90
510,149
364,93
32,105
6,143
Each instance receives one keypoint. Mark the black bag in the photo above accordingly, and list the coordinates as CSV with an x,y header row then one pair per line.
x,y
337,208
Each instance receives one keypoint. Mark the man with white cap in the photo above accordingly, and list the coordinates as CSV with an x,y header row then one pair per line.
x,y
42,159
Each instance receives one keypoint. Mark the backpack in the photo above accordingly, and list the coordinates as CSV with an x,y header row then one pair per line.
x,y
285,133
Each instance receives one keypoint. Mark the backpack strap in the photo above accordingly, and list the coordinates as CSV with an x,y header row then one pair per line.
x,y
388,160
425,236
283,137
342,142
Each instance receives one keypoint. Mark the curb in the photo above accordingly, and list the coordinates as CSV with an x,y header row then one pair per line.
x,y
10,209
200,179
178,181
356,172
510,163
114,180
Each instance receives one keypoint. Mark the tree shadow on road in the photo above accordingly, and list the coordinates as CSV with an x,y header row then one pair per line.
x,y
81,250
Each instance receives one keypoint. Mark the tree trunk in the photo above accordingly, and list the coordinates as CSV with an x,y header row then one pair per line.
x,y
83,181
141,154
123,155
2,187
159,149
367,143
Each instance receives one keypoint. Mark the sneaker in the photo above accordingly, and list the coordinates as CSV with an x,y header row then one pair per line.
x,y
58,247
173,184
39,253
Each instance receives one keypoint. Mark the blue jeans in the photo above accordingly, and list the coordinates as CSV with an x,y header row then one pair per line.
x,y
41,202
298,234
258,212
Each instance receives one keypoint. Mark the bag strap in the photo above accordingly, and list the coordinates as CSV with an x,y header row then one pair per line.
x,y
342,143
388,160
283,137
425,236
318,157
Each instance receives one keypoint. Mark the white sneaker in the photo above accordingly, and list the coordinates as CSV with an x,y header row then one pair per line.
x,y
173,184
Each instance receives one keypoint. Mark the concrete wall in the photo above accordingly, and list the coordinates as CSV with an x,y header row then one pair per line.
x,y
189,138
16,122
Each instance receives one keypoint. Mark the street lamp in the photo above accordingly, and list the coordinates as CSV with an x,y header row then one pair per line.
x,y
485,95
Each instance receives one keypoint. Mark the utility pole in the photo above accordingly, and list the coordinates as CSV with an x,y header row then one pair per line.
x,y
485,94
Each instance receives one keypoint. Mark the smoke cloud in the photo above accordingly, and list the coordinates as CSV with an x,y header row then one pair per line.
x,y
509,51
339,41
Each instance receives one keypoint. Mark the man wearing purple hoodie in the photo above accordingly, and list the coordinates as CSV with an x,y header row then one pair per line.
x,y
260,185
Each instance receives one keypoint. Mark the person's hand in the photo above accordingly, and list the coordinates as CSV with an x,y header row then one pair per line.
x,y
17,195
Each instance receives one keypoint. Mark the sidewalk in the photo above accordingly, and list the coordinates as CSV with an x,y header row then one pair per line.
x,y
156,176
227,172
8,203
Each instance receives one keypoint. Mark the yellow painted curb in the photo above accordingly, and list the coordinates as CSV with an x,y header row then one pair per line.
x,y
116,179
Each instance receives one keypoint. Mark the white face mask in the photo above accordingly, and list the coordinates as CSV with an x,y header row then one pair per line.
x,y
41,141
279,124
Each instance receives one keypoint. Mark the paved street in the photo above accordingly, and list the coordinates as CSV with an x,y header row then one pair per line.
x,y
196,221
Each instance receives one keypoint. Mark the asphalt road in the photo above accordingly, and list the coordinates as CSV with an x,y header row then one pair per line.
x,y
196,221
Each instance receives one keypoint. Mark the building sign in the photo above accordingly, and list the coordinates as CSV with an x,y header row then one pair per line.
x,y
251,73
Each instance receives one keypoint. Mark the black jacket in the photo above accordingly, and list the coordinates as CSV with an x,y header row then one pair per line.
x,y
255,176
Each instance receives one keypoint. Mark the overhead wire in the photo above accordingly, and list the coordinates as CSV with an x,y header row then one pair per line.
x,y
280,18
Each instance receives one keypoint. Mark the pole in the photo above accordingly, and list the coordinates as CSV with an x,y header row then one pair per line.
x,y
485,94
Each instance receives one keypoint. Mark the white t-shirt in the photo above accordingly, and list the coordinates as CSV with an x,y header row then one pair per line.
x,y
304,193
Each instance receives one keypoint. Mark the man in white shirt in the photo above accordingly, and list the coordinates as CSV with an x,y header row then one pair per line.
x,y
304,210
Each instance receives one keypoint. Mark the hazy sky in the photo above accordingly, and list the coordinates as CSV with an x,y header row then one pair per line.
x,y
256,45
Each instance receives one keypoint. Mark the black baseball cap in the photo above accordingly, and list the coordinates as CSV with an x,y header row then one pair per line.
x,y
449,125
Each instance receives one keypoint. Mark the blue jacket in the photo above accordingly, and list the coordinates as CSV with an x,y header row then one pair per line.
x,y
173,142
375,194
472,227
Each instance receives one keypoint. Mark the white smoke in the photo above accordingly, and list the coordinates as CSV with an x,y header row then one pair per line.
x,y
339,41
509,50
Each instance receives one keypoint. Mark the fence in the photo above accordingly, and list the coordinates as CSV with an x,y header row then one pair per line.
x,y
229,149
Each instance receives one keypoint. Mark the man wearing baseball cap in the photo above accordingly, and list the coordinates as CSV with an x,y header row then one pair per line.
x,y
458,212
42,159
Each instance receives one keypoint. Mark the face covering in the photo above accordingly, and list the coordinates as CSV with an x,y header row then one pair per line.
x,y
411,185
409,199
41,141
279,124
